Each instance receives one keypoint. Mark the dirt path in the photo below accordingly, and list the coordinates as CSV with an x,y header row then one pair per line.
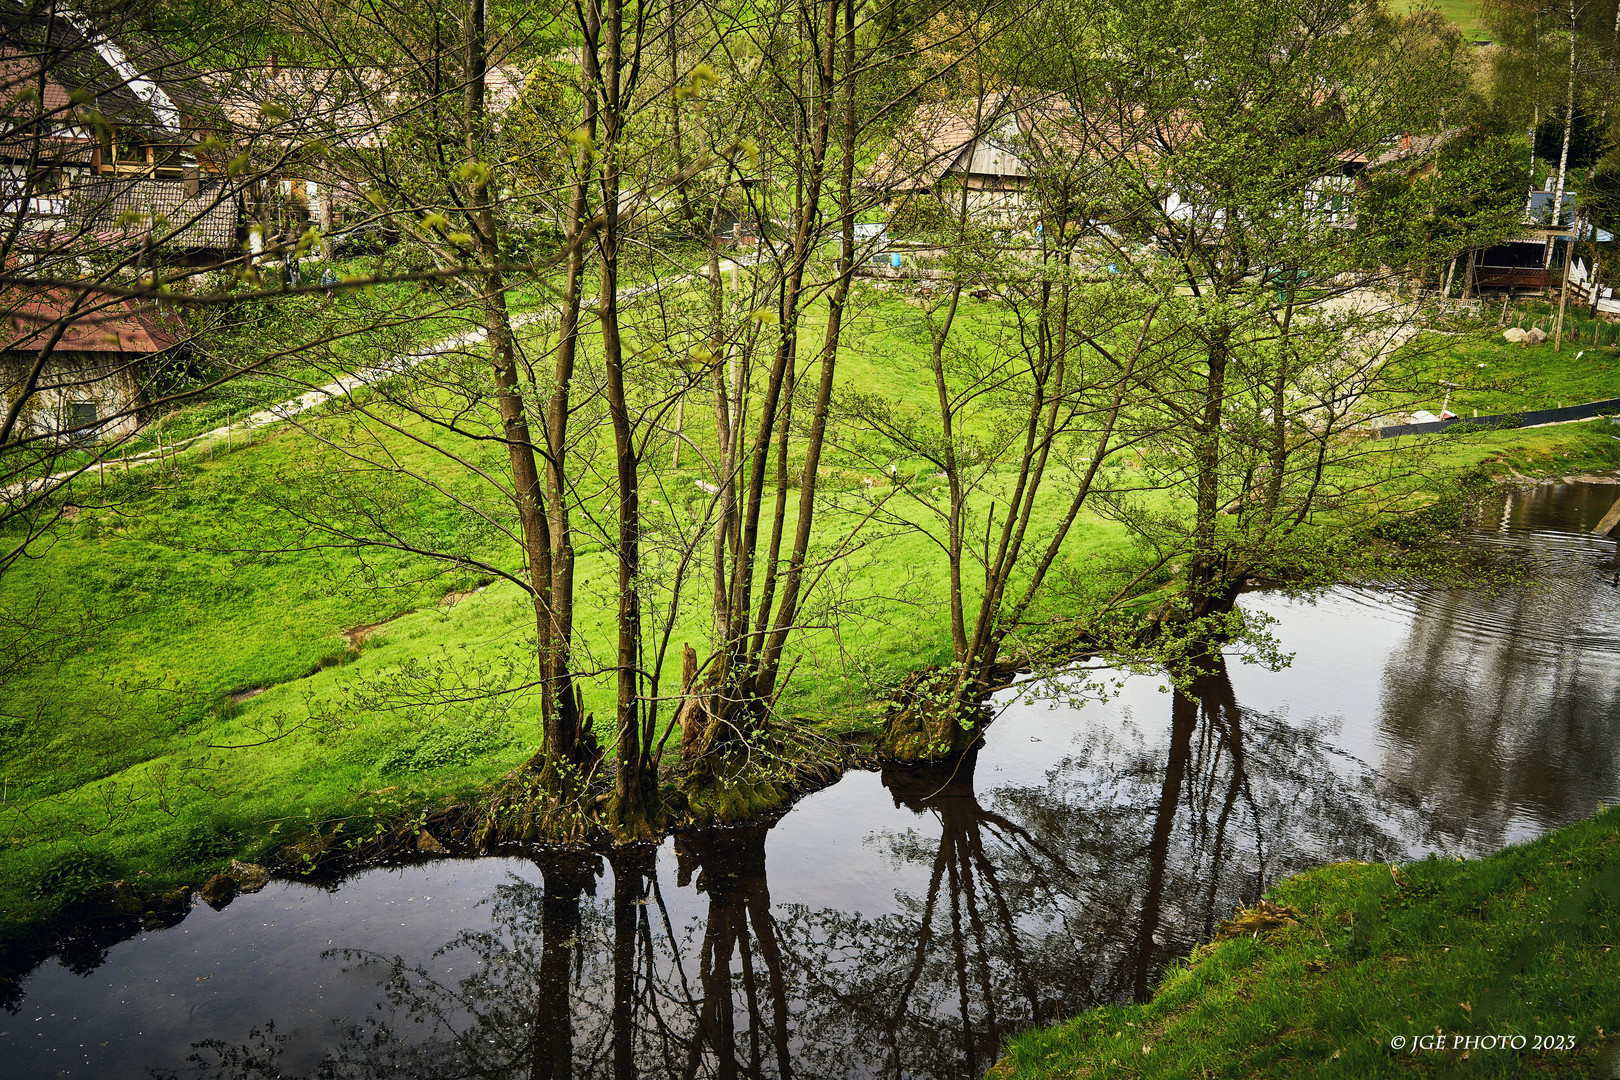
x,y
286,410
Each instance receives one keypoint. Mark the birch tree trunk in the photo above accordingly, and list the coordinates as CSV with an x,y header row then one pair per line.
x,y
1569,127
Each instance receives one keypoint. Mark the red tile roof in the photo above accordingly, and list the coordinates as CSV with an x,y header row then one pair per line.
x,y
117,328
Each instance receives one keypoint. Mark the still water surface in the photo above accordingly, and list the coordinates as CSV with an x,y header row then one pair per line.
x,y
900,924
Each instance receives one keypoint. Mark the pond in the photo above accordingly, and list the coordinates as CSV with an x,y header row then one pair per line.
x,y
900,924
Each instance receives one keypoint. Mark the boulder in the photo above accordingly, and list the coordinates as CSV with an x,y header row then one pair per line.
x,y
250,877
119,898
428,845
166,909
1535,336
1513,334
302,857
218,891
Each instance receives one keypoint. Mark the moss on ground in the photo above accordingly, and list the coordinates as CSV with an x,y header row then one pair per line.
x,y
1343,967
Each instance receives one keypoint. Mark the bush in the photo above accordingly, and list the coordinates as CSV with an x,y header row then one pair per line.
x,y
204,842
441,746
72,877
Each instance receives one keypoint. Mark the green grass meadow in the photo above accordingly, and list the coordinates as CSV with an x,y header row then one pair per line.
x,y
216,679
201,683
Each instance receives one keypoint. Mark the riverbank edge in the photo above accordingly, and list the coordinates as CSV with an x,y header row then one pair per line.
x,y
330,850
1339,971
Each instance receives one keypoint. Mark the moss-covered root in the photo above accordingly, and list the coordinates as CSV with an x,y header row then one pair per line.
x,y
930,720
738,788
1502,967
522,809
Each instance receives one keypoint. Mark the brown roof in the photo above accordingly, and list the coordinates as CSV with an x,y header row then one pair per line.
x,y
935,138
119,328
1007,133
35,41
1412,147
129,210
353,107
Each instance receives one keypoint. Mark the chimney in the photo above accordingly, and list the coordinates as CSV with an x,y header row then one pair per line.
x,y
1406,142
272,65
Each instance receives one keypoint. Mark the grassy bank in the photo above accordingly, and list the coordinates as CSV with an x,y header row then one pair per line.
x,y
215,681
1341,969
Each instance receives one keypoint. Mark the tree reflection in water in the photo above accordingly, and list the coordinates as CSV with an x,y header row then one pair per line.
x,y
1035,903
1501,704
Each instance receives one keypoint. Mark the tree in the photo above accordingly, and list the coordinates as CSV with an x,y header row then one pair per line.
x,y
626,181
1208,290
829,106
1029,405
1221,198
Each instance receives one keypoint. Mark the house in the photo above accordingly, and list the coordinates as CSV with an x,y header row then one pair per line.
x,y
92,385
110,108
113,153
308,131
996,146
982,144
1534,259
197,221
293,122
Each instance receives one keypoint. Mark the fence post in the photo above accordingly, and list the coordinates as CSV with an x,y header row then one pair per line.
x,y
1563,296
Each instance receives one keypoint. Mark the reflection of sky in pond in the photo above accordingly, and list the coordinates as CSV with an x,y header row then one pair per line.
x,y
910,919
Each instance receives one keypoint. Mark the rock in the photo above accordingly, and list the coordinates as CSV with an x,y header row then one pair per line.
x,y
426,844
1513,334
218,891
1535,335
250,877
166,909
303,856
120,898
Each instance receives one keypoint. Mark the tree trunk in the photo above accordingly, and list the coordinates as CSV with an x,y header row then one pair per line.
x,y
634,811
1569,128
570,743
565,749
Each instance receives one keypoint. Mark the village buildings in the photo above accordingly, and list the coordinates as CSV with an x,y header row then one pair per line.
x,y
993,151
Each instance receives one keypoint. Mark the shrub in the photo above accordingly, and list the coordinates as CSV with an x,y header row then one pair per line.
x,y
438,747
72,877
204,842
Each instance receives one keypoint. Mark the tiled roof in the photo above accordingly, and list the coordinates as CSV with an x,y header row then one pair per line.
x,y
1414,147
935,138
26,324
1007,133
31,38
350,107
129,210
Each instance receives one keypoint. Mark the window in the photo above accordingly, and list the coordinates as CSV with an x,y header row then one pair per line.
x,y
82,421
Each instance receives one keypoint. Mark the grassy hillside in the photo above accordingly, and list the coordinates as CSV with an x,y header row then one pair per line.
x,y
1492,376
221,679
217,679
